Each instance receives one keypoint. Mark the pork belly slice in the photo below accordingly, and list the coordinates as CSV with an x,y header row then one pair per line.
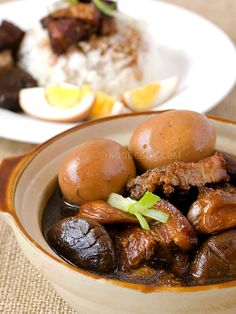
x,y
85,12
176,232
180,175
70,25
64,33
136,246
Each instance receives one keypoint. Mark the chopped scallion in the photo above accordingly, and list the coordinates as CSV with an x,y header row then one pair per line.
x,y
108,9
105,8
72,1
120,202
147,201
156,215
143,222
140,209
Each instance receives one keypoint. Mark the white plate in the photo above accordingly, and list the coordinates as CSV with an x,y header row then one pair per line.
x,y
190,46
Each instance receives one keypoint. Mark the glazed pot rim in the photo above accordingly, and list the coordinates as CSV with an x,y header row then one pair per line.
x,y
26,159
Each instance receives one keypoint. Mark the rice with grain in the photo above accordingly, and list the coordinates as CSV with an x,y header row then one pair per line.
x,y
111,64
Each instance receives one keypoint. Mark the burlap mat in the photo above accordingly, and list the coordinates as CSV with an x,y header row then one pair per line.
x,y
22,289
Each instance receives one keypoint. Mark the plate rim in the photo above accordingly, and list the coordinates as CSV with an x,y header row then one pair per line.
x,y
28,138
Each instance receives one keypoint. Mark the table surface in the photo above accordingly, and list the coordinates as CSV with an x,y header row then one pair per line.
x,y
22,288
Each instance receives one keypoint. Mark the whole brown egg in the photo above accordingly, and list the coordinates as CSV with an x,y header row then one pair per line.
x,y
94,170
177,135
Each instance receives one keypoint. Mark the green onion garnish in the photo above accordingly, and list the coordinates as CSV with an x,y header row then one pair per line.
x,y
143,222
147,201
120,202
72,1
156,215
140,209
108,9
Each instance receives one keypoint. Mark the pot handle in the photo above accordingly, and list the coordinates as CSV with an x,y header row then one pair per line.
x,y
8,167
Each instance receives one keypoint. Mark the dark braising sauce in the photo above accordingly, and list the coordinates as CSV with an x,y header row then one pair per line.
x,y
55,210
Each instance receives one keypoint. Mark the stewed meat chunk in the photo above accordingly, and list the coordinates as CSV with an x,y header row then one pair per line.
x,y
180,175
12,80
134,245
176,231
230,166
180,265
86,12
213,211
10,36
64,33
104,213
226,187
78,22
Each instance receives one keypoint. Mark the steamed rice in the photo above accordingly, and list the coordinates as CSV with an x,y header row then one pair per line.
x,y
111,64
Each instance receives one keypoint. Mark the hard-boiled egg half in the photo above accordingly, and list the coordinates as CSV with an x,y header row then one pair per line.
x,y
104,106
150,95
64,103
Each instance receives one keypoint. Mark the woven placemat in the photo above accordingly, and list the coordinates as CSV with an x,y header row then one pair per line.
x,y
22,289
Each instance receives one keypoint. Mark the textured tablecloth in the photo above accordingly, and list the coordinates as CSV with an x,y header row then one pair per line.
x,y
22,288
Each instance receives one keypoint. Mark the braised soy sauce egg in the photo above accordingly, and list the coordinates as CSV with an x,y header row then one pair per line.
x,y
171,136
94,170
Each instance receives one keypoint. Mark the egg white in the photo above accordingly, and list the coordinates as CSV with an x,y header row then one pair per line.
x,y
33,101
167,89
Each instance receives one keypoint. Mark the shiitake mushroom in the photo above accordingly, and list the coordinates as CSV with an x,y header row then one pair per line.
x,y
85,243
215,261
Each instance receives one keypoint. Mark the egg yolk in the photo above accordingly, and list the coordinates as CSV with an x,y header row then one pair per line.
x,y
143,97
64,97
102,107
